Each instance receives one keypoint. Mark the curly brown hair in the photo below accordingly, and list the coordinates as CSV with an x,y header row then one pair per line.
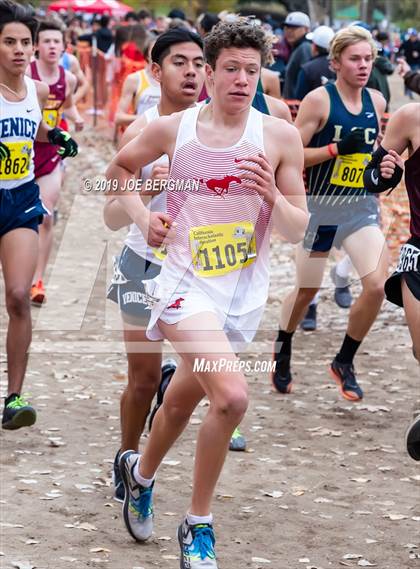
x,y
240,33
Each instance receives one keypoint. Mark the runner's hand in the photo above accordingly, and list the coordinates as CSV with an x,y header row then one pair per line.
x,y
403,67
4,151
158,229
352,143
65,141
259,176
160,172
79,124
389,162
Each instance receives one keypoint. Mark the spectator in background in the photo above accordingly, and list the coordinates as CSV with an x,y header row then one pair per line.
x,y
160,25
104,37
177,14
296,26
410,49
131,18
384,40
379,77
145,18
317,71
206,22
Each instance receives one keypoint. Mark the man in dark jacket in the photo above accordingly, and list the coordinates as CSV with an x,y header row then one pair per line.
x,y
317,71
379,77
296,26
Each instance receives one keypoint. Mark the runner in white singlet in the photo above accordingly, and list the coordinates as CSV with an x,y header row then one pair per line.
x,y
222,153
180,85
21,210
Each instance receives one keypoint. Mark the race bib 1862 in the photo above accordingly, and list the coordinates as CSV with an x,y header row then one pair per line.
x,y
348,170
17,165
220,249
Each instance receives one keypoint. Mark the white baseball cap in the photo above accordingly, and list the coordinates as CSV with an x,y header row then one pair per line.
x,y
297,19
321,36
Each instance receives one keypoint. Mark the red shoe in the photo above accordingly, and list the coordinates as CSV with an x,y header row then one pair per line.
x,y
38,296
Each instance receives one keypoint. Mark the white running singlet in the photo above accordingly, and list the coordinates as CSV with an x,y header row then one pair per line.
x,y
221,249
19,122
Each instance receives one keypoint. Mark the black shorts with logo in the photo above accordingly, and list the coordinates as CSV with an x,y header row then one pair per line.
x,y
408,268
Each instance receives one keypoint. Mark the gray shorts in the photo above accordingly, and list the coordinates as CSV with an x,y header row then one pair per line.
x,y
329,225
126,287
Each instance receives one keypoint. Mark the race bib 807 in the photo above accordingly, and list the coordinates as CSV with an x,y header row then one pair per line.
x,y
348,170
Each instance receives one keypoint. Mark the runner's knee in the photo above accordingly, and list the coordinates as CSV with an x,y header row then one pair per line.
x,y
17,302
232,404
142,385
374,287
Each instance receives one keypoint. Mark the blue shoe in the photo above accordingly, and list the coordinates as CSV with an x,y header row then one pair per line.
x,y
237,441
345,378
17,413
197,546
138,502
412,439
309,321
117,481
168,370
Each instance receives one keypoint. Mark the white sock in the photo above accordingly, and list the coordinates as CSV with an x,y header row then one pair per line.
x,y
344,267
194,520
145,482
315,299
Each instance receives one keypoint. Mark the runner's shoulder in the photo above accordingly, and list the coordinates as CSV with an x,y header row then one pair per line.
x,y
278,108
279,131
318,99
42,90
378,100
406,117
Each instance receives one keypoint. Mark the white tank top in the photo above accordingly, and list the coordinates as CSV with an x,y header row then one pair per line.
x,y
135,239
19,122
222,240
148,92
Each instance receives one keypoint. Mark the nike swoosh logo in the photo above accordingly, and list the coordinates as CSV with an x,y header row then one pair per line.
x,y
369,115
29,110
374,178
30,209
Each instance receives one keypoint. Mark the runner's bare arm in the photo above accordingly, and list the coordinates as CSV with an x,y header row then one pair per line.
x,y
115,216
400,126
283,189
69,105
290,211
278,108
82,82
156,139
132,131
271,82
312,115
123,117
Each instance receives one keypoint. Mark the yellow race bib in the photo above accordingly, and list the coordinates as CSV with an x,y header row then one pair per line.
x,y
160,252
17,166
51,117
220,249
348,170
